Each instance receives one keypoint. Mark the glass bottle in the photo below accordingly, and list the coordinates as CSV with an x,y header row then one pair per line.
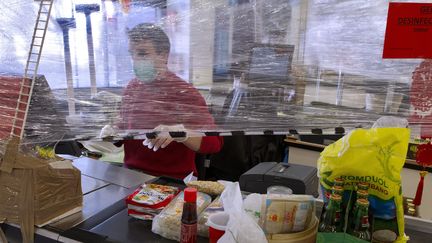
x,y
332,216
189,217
360,227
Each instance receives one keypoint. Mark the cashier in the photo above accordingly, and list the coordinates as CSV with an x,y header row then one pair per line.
x,y
157,98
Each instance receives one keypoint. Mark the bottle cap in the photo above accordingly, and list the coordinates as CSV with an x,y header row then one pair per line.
x,y
336,197
363,193
363,202
190,194
337,188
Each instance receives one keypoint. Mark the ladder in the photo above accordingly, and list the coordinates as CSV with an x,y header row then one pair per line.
x,y
31,68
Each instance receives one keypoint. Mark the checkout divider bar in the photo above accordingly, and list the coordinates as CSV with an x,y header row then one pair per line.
x,y
143,134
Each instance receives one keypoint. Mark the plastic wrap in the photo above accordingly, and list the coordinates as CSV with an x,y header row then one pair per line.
x,y
254,66
168,222
214,207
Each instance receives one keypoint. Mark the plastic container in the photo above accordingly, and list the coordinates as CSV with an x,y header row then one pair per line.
x,y
214,208
217,224
278,191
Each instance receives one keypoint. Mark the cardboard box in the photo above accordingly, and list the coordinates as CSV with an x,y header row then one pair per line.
x,y
34,191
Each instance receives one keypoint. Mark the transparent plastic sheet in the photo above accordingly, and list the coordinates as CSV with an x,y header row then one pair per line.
x,y
250,66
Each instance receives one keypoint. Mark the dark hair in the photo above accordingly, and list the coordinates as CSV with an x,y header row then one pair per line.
x,y
152,33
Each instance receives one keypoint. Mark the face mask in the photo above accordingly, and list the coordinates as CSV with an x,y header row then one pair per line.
x,y
144,70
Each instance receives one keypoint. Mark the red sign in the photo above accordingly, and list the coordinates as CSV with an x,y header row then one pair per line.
x,y
409,31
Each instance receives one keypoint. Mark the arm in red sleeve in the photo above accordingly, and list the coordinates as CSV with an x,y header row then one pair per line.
x,y
211,144
125,106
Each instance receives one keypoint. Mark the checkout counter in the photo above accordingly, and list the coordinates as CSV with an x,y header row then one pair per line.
x,y
104,215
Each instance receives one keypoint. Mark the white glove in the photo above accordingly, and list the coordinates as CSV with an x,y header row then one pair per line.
x,y
390,121
108,131
163,138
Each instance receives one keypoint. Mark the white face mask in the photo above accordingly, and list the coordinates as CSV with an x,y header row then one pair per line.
x,y
145,70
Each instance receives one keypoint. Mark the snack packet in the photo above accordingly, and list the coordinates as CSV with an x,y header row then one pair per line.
x,y
208,187
148,200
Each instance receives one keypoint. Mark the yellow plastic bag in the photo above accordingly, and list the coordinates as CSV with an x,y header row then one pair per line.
x,y
375,156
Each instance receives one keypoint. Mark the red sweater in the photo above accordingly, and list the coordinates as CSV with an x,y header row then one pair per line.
x,y
167,101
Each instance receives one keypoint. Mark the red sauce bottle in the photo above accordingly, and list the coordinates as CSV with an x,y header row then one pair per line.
x,y
189,217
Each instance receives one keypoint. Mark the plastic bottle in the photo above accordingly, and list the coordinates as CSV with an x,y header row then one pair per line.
x,y
189,217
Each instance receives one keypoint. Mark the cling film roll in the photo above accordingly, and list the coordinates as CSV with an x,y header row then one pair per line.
x,y
375,156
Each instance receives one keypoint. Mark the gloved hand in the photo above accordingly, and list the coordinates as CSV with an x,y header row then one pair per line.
x,y
163,138
390,121
108,131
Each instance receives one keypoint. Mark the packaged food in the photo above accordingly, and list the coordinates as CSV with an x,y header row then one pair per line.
x,y
287,214
208,187
149,200
215,207
141,215
383,151
168,222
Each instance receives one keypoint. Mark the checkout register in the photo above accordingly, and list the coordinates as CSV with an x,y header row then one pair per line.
x,y
300,179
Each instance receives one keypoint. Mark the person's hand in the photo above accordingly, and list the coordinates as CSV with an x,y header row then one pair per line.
x,y
163,138
108,131
390,121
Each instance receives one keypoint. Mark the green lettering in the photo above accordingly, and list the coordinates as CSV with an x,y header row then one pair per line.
x,y
367,179
351,178
380,181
